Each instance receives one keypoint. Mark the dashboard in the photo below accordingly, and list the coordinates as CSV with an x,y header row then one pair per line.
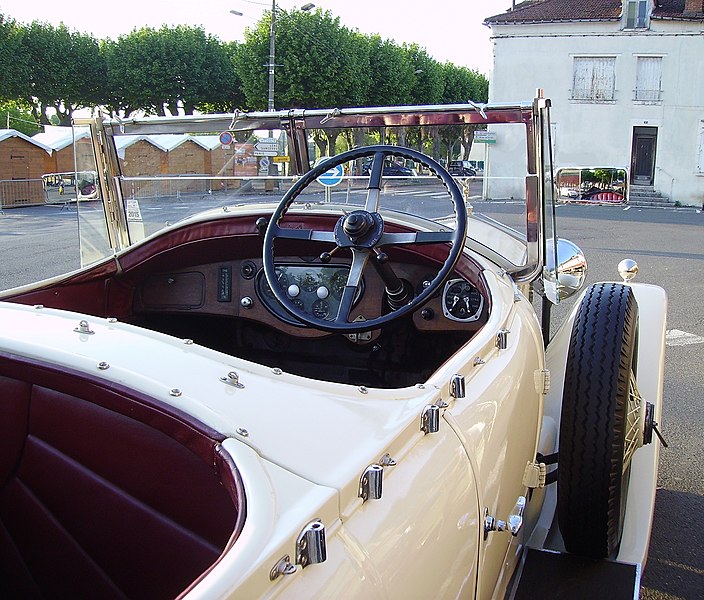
x,y
239,288
315,289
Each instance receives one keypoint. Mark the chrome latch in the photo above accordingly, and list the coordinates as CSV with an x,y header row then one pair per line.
x,y
457,387
370,484
233,379
310,544
83,328
430,419
512,524
284,566
502,339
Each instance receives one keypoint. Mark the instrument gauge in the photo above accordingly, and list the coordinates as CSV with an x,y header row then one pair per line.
x,y
321,309
338,282
461,301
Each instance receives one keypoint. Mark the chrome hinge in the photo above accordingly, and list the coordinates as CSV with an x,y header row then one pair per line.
x,y
542,381
310,550
430,419
534,475
512,524
502,339
457,387
310,544
370,484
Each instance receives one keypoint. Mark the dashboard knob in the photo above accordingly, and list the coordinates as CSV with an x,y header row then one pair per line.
x,y
322,292
427,314
293,290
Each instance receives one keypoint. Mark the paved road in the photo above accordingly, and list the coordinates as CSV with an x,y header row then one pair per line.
x,y
669,248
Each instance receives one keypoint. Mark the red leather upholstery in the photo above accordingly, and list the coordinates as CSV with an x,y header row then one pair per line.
x,y
103,493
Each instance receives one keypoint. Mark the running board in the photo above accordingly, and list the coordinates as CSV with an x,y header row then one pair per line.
x,y
549,574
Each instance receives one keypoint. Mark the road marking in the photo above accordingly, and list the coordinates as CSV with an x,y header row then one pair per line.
x,y
627,208
675,337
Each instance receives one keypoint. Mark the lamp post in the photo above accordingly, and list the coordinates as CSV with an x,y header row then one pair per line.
x,y
272,55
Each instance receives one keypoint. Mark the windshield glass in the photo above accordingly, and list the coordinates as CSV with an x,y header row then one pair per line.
x,y
134,178
169,171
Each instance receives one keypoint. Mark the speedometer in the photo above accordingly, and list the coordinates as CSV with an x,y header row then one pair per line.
x,y
461,301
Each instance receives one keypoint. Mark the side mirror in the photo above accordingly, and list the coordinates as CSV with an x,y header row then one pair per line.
x,y
568,278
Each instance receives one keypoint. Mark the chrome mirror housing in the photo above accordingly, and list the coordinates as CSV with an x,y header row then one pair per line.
x,y
568,278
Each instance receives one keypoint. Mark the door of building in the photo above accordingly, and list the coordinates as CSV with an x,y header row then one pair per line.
x,y
643,155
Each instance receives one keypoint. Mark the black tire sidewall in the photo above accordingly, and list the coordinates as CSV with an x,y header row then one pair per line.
x,y
591,483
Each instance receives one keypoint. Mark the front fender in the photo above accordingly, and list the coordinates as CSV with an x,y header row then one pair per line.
x,y
652,320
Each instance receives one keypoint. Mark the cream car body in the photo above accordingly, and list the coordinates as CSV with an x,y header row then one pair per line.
x,y
399,489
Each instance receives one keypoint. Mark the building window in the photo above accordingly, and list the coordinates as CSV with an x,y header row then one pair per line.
x,y
636,14
594,78
648,79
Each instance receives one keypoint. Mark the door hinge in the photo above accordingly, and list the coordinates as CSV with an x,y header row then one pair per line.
x,y
542,381
535,474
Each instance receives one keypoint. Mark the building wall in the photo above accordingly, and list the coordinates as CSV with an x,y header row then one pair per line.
x,y
21,160
530,56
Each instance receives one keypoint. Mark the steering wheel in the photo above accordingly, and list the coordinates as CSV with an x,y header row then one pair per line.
x,y
362,231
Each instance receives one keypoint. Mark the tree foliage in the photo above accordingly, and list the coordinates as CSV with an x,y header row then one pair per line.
x,y
65,71
318,63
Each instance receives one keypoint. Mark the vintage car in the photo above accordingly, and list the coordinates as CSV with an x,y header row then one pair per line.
x,y
322,385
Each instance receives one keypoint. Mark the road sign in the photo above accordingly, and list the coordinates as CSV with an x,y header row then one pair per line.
x,y
264,162
482,136
332,177
226,138
281,159
267,146
267,153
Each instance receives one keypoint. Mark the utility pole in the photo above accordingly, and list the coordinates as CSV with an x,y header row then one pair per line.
x,y
272,54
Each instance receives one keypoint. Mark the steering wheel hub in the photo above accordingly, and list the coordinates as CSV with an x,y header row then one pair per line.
x,y
359,229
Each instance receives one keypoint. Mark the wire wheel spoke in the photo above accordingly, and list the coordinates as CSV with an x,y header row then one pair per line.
x,y
634,422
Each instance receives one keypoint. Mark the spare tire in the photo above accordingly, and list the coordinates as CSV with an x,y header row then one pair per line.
x,y
592,479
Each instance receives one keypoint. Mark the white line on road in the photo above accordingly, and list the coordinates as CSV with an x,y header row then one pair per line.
x,y
675,337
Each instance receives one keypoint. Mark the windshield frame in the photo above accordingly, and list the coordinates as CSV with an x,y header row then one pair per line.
x,y
296,123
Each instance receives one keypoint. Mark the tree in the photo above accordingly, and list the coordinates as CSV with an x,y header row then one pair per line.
x,y
461,86
13,62
171,70
65,71
15,115
391,74
318,62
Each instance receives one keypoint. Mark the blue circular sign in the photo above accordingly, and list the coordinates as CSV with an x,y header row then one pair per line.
x,y
226,138
332,177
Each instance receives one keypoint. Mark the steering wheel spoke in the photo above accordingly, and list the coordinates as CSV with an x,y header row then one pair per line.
x,y
420,237
313,235
354,279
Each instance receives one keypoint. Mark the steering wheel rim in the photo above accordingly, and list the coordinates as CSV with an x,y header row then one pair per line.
x,y
366,243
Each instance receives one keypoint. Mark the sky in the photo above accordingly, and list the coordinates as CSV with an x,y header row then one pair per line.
x,y
448,29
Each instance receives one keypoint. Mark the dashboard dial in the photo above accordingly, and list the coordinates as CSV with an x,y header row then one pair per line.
x,y
461,301
321,309
337,282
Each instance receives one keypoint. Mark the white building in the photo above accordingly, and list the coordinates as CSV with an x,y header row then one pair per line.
x,y
626,80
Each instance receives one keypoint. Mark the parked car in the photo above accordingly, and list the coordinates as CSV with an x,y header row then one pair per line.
x,y
350,398
391,169
605,196
461,168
